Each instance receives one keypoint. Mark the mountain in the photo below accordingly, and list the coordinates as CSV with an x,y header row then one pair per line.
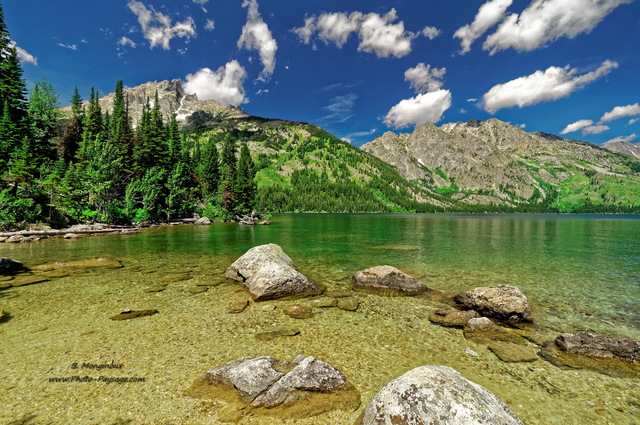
x,y
624,148
492,162
173,101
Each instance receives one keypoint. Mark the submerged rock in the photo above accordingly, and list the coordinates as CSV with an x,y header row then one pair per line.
x,y
348,304
298,311
388,278
452,317
265,386
102,263
268,273
132,314
9,266
324,303
482,329
28,280
436,395
503,302
276,333
510,352
236,307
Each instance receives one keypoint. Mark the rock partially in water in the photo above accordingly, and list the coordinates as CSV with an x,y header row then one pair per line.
x,y
388,278
71,236
511,353
324,303
17,239
268,273
202,221
503,302
482,329
452,317
436,395
298,311
132,314
267,387
9,266
594,345
348,304
276,333
28,280
236,307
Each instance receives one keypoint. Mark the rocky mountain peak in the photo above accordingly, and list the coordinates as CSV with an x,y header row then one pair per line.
x,y
624,148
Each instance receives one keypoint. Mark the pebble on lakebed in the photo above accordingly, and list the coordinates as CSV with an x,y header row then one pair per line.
x,y
132,314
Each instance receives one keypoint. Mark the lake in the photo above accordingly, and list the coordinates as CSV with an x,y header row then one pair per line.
x,y
580,272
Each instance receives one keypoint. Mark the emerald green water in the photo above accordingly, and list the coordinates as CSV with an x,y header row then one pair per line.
x,y
580,272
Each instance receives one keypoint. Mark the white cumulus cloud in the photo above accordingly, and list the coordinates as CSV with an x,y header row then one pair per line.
x,y
490,13
621,112
157,27
424,79
125,41
26,57
431,32
578,125
379,34
224,85
595,129
424,108
257,36
630,138
544,21
541,86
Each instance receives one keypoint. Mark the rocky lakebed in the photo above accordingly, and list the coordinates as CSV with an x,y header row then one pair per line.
x,y
258,340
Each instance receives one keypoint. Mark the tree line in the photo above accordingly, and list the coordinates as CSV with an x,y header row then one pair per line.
x,y
95,166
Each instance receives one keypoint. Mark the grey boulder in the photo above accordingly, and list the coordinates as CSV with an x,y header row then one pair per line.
x,y
388,278
436,395
9,266
503,302
263,385
269,273
600,346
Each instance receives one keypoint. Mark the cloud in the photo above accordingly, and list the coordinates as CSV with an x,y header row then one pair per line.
x,y
124,41
224,85
490,13
210,25
201,2
68,46
340,108
24,56
621,112
424,78
157,27
257,36
630,138
633,121
431,32
578,125
544,21
377,33
541,86
595,129
424,108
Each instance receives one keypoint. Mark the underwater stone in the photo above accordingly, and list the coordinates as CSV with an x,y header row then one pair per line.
x,y
593,345
28,280
132,314
436,395
324,303
482,329
452,317
268,273
387,277
510,352
276,333
236,307
348,304
298,311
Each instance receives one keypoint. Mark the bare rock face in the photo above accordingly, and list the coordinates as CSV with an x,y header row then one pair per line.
x,y
9,266
269,273
265,386
388,278
436,395
503,302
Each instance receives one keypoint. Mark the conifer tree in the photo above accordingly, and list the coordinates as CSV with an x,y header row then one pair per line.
x,y
245,186
208,170
76,105
227,187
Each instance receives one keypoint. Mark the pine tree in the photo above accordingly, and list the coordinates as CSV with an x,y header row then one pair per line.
x,y
208,170
227,187
93,118
246,187
8,139
44,118
120,125
76,105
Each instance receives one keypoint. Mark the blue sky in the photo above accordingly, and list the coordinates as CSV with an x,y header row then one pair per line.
x,y
357,68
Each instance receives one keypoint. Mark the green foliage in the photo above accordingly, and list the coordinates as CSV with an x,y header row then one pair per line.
x,y
16,209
